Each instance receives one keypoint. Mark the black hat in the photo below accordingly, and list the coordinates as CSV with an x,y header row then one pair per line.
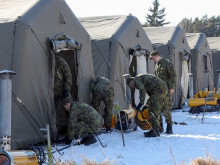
x,y
129,79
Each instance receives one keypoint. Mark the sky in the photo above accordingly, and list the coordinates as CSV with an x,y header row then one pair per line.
x,y
196,139
175,10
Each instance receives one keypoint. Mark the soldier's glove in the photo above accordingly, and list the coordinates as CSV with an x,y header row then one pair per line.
x,y
139,107
65,93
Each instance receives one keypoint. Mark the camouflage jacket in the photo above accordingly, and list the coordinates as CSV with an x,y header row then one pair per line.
x,y
165,70
63,77
101,85
81,112
150,84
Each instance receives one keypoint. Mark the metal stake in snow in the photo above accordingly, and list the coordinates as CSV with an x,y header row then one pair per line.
x,y
5,108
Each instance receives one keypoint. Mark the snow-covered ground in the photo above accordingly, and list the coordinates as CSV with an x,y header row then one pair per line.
x,y
196,139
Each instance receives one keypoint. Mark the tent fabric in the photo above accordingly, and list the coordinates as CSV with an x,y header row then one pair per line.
x,y
25,28
201,61
214,44
112,37
171,44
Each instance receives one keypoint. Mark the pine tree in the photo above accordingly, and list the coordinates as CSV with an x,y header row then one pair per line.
x,y
156,18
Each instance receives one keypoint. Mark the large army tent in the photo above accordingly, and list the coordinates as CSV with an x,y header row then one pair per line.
x,y
112,39
172,44
25,29
201,61
214,44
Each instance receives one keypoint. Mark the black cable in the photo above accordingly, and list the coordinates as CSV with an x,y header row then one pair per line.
x,y
39,152
27,115
38,40
58,150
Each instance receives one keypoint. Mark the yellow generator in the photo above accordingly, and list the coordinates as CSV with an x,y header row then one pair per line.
x,y
143,119
204,101
18,157
127,119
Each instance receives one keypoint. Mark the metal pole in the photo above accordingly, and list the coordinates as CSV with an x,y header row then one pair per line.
x,y
5,108
190,85
218,81
122,134
206,80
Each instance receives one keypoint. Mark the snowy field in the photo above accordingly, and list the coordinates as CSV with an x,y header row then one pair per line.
x,y
196,139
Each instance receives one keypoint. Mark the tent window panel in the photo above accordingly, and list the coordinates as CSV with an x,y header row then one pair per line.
x,y
205,62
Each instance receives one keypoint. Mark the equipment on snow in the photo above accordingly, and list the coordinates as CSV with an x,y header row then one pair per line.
x,y
127,117
18,157
143,119
204,100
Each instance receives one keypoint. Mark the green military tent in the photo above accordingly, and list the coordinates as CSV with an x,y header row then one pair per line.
x,y
113,38
201,67
26,27
172,44
214,44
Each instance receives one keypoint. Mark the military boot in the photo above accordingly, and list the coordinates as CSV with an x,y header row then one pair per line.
x,y
169,129
149,132
108,129
88,139
161,127
154,133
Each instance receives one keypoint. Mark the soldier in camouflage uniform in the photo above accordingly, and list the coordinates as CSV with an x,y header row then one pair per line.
x,y
83,122
157,90
62,86
165,70
102,90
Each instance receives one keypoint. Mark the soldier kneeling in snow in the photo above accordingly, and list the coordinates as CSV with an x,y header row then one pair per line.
x,y
83,122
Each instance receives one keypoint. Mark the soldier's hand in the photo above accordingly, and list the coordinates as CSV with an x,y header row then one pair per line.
x,y
171,91
67,106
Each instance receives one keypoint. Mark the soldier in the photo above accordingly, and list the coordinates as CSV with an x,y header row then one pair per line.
x,y
83,122
157,90
102,90
165,70
62,86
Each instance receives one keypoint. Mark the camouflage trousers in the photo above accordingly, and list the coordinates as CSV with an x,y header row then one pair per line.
x,y
107,98
61,114
156,103
168,104
81,129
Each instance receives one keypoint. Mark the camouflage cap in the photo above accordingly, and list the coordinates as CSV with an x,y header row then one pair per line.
x,y
154,53
129,79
